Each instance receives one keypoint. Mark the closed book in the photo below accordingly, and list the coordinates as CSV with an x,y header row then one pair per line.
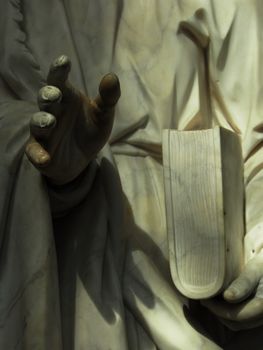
x,y
204,190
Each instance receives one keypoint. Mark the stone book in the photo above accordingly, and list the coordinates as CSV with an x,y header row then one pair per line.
x,y
203,175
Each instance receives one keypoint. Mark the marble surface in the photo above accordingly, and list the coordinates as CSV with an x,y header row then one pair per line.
x,y
204,193
98,278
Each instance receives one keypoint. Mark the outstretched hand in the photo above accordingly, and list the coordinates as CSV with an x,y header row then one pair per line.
x,y
70,128
242,307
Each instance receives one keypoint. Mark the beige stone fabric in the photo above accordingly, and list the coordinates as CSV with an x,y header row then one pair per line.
x,y
97,276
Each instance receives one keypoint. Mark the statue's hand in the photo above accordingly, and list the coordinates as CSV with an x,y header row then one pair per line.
x,y
70,128
242,307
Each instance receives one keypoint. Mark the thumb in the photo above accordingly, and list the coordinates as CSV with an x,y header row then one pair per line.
x,y
109,92
242,287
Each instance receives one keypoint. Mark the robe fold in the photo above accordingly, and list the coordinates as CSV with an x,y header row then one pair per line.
x,y
86,266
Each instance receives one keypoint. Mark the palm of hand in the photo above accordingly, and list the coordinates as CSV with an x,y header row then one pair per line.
x,y
70,129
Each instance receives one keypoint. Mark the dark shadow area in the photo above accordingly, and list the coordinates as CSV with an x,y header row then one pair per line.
x,y
91,248
96,246
204,322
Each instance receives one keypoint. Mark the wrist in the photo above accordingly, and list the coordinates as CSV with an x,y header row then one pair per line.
x,y
65,197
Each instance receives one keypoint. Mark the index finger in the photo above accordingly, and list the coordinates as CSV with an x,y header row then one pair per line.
x,y
58,72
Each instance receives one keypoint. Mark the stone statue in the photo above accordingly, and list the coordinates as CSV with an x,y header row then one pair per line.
x,y
84,251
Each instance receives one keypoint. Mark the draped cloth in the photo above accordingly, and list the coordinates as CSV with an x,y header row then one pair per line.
x,y
86,266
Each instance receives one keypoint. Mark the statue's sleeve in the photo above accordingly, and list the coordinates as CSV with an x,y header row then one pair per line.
x,y
26,238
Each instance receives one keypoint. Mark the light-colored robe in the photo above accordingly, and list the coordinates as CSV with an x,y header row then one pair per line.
x,y
96,275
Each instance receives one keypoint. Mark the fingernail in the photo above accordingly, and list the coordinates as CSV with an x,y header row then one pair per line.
x,y
43,159
42,120
230,294
61,61
49,94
